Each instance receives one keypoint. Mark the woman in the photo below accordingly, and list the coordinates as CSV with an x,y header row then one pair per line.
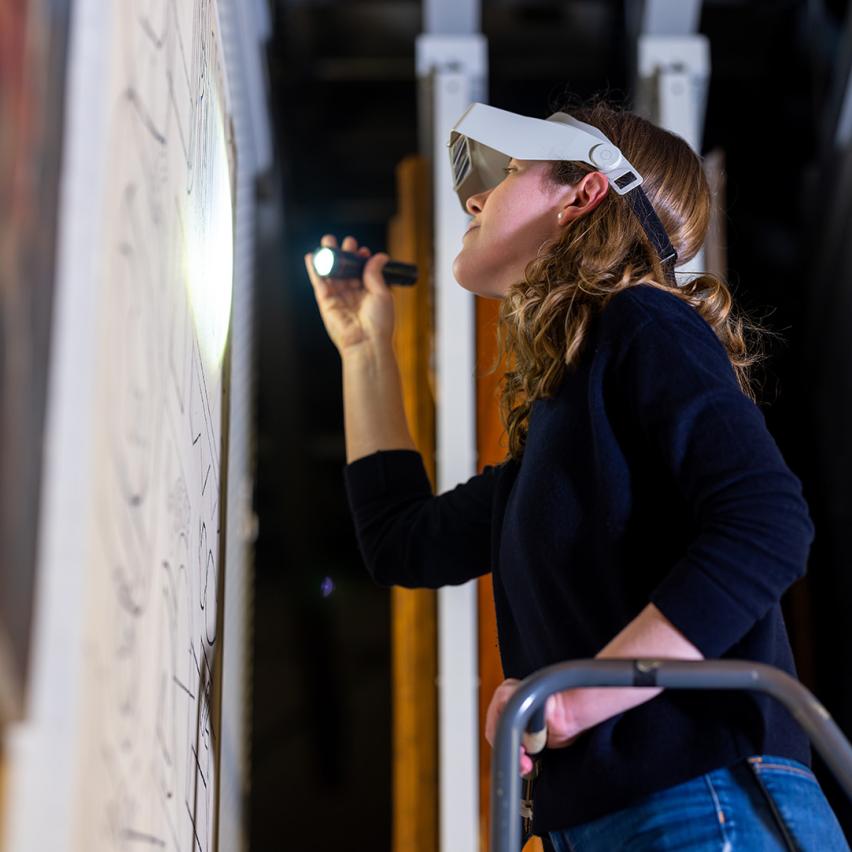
x,y
643,510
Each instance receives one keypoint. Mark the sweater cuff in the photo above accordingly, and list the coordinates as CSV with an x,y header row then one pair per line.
x,y
701,609
385,472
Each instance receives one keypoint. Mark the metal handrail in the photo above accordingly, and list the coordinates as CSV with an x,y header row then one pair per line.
x,y
531,694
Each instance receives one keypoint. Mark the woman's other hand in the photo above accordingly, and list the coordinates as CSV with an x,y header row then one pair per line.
x,y
354,311
561,726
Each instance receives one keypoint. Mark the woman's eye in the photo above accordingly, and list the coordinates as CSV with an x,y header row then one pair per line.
x,y
508,170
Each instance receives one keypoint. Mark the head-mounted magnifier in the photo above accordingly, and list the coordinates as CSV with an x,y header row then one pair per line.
x,y
485,138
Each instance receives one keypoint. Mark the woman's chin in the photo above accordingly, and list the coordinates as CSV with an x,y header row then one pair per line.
x,y
463,273
476,284
483,292
466,284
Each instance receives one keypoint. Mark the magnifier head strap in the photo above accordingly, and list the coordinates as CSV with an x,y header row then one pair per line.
x,y
654,230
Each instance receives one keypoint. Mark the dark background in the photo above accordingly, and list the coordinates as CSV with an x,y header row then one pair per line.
x,y
344,104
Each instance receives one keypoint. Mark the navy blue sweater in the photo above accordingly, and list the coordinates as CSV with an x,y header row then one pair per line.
x,y
648,476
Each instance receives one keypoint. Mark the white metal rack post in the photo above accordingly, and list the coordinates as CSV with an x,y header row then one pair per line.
x,y
451,67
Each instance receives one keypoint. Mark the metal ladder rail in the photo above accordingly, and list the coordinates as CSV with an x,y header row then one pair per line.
x,y
530,696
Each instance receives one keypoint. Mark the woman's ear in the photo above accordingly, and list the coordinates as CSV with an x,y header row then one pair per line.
x,y
586,195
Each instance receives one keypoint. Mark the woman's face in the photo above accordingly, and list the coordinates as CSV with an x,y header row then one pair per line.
x,y
510,223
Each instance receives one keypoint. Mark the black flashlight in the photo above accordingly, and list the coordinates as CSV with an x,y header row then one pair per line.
x,y
336,263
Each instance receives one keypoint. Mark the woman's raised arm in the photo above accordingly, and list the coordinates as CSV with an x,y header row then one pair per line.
x,y
358,316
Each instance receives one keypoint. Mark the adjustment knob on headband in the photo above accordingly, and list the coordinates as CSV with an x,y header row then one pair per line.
x,y
605,156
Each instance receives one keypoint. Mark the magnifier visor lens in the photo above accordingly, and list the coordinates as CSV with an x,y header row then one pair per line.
x,y
460,159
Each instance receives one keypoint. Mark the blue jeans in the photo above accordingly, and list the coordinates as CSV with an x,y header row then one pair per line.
x,y
763,803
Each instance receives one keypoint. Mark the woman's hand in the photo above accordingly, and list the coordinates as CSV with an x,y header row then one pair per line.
x,y
353,311
562,728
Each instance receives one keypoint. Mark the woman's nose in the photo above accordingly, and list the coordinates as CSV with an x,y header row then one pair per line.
x,y
474,204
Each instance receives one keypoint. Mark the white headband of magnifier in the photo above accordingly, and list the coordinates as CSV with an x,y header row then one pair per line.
x,y
485,138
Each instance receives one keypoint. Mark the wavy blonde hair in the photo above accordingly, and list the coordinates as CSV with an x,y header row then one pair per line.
x,y
543,320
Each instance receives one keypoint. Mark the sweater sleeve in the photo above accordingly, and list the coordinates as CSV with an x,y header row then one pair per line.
x,y
410,537
753,527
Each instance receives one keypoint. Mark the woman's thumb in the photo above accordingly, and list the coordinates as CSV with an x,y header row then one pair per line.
x,y
374,281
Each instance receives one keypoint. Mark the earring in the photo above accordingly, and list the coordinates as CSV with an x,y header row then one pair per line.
x,y
559,216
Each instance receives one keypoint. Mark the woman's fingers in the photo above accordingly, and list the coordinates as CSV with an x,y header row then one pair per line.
x,y
374,282
495,708
351,244
356,308
526,762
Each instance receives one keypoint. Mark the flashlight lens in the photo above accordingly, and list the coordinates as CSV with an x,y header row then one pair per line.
x,y
324,261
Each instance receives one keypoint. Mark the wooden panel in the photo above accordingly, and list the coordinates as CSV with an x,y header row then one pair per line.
x,y
414,628
488,443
